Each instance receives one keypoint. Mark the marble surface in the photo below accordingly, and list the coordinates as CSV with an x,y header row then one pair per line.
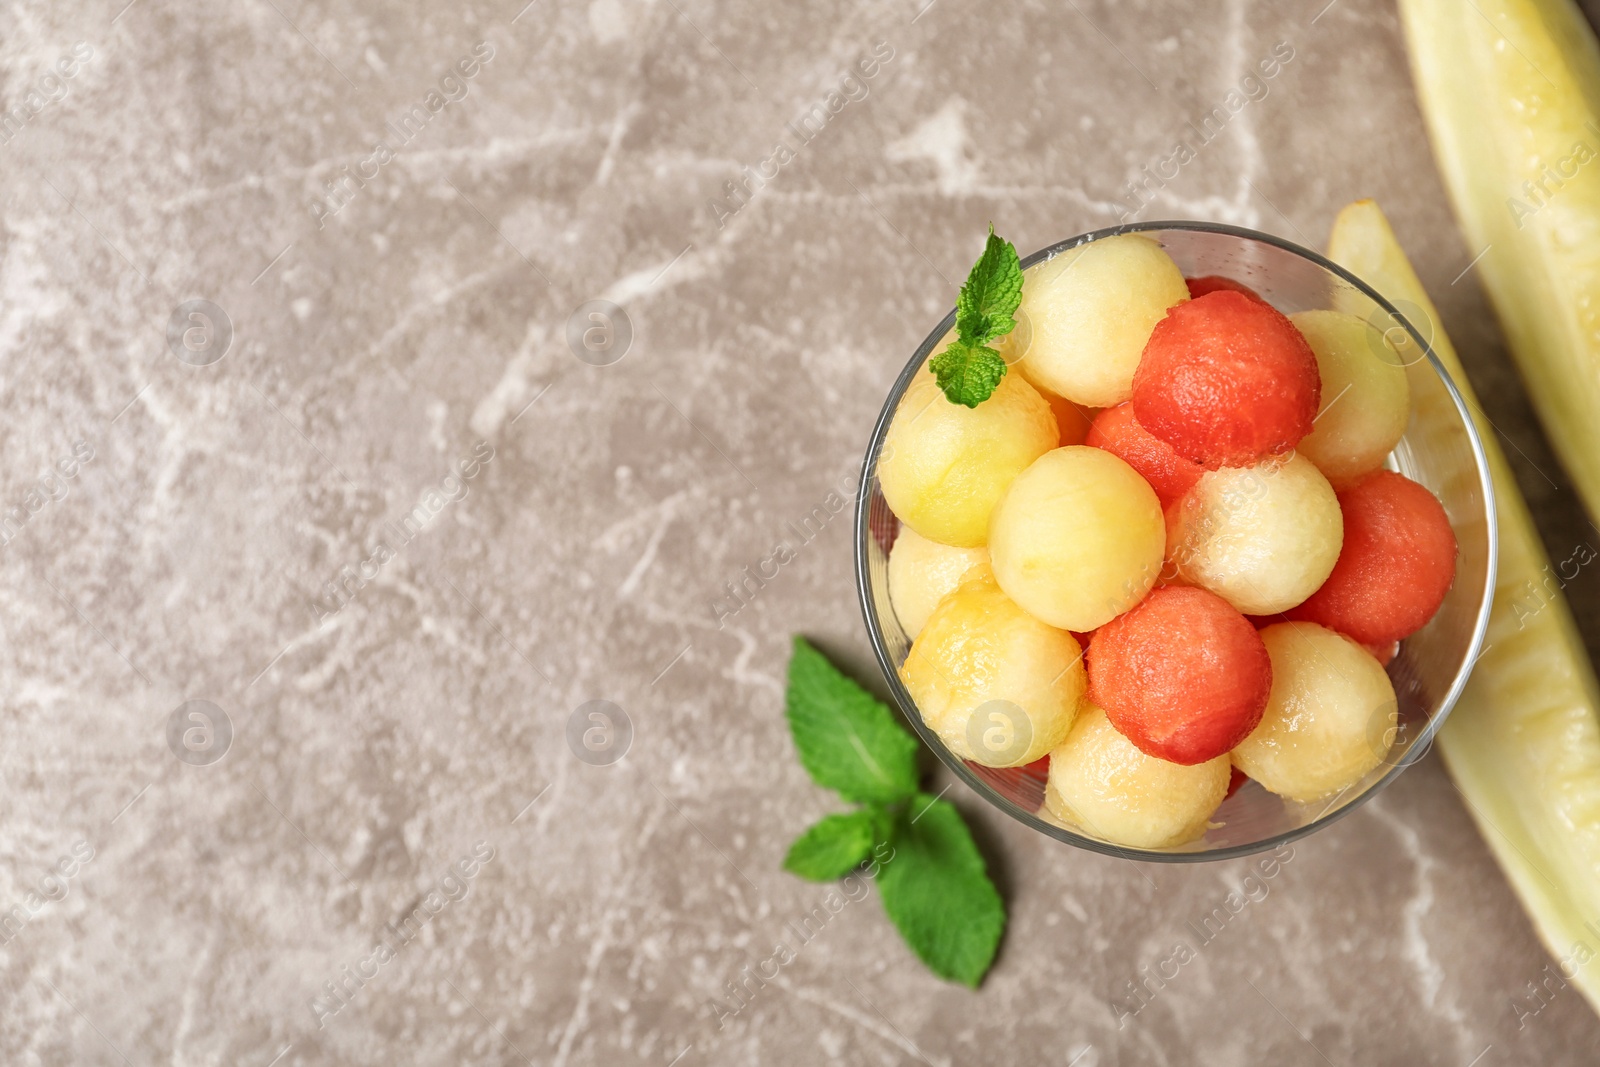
x,y
378,788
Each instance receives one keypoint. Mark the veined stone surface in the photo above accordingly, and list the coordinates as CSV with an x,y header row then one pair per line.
x,y
270,511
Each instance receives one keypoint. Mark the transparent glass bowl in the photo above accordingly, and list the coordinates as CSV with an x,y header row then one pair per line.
x,y
1441,450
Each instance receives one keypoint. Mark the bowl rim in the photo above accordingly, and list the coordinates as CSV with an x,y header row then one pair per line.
x,y
907,705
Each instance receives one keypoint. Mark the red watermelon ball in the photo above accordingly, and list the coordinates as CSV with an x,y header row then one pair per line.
x,y
1384,653
1226,380
1118,432
1211,283
1395,567
1182,675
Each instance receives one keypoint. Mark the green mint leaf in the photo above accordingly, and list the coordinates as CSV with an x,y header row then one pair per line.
x,y
834,846
992,294
848,741
968,373
938,894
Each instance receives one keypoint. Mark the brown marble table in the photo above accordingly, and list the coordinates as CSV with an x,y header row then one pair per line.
x,y
289,660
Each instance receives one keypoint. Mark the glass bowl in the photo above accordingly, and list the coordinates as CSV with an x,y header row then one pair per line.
x,y
1440,449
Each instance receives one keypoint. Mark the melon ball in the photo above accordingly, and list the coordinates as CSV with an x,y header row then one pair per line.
x,y
1117,431
1199,287
1078,538
1330,718
1183,675
1384,653
1225,380
1365,398
1091,310
944,466
998,686
1013,345
922,573
1099,781
1397,563
1263,537
1071,419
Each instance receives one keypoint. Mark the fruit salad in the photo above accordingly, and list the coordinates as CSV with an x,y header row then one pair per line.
x,y
1149,546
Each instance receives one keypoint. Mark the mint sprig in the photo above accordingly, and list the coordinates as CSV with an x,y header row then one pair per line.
x,y
968,373
968,370
937,892
933,881
834,846
848,740
992,294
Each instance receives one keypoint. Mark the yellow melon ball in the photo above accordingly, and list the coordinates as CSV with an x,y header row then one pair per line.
x,y
944,466
1071,419
1091,310
998,686
1015,343
1263,538
1078,538
922,573
1100,782
1330,717
1365,398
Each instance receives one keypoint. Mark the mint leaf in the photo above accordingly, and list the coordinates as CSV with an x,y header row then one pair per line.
x,y
937,892
968,373
834,846
992,294
848,741
934,884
